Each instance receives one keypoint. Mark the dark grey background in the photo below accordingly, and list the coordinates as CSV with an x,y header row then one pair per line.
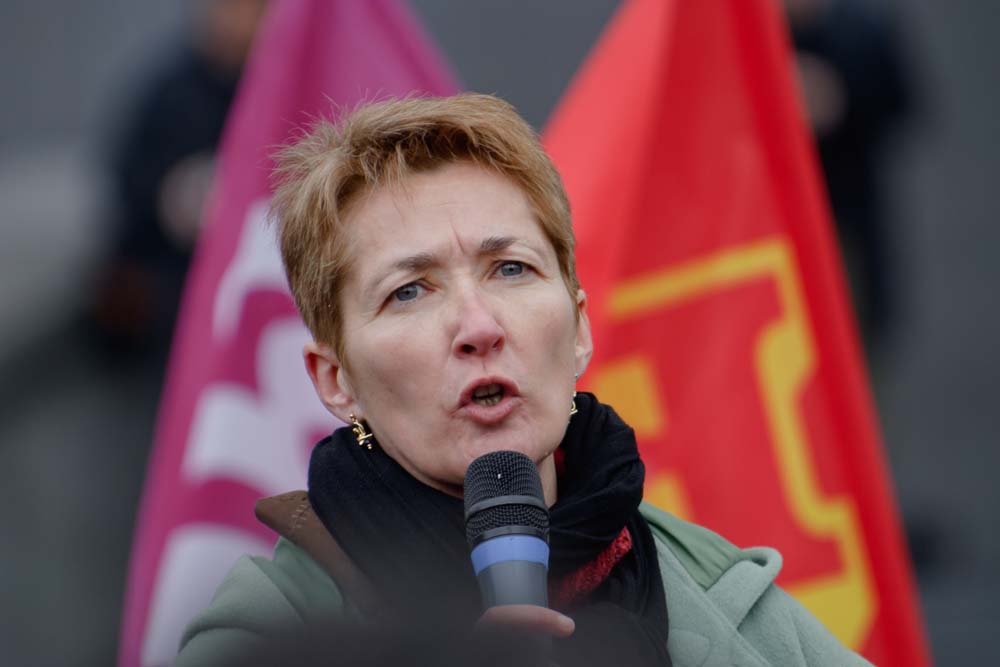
x,y
74,430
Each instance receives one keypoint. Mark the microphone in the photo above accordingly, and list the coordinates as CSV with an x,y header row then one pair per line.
x,y
507,526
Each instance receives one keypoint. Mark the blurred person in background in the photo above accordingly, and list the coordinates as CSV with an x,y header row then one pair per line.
x,y
857,92
162,167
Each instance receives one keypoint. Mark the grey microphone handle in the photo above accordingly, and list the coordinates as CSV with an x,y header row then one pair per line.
x,y
514,582
520,582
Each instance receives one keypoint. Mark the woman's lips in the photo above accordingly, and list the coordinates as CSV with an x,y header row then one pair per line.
x,y
488,400
490,415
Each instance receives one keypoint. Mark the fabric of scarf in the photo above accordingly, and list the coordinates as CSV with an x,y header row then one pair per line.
x,y
409,539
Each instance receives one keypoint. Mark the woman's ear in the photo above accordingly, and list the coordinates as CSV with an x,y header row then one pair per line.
x,y
584,344
330,380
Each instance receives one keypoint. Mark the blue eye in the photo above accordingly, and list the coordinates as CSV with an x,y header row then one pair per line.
x,y
407,292
511,269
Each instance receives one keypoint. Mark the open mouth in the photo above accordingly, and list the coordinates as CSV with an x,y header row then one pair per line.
x,y
488,395
489,400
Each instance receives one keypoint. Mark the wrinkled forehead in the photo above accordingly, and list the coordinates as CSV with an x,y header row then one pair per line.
x,y
457,202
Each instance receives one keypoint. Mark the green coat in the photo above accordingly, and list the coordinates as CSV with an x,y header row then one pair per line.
x,y
723,606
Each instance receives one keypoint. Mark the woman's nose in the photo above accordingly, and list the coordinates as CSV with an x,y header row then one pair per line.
x,y
479,332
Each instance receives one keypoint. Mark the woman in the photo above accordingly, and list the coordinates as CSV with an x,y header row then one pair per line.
x,y
429,247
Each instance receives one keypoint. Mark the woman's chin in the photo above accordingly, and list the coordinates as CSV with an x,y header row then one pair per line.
x,y
509,442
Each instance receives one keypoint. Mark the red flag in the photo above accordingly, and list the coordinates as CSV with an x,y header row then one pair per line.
x,y
239,416
721,325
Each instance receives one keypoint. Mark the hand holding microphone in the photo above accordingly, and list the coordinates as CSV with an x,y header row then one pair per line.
x,y
529,618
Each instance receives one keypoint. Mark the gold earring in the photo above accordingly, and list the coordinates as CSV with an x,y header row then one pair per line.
x,y
360,433
572,405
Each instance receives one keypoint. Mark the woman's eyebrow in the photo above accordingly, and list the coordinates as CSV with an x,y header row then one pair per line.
x,y
417,262
494,244
422,261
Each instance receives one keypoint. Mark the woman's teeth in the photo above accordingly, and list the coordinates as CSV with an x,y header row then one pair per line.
x,y
488,395
487,400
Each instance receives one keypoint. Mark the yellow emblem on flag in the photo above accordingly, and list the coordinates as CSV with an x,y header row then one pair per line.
x,y
784,360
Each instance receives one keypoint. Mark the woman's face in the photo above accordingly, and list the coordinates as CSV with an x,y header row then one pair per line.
x,y
459,334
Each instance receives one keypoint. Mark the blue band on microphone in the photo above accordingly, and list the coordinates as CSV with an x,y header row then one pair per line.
x,y
510,547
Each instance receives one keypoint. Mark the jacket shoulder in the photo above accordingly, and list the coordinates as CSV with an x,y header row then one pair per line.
x,y
705,555
260,603
725,608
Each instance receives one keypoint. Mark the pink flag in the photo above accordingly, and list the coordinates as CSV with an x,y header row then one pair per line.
x,y
239,416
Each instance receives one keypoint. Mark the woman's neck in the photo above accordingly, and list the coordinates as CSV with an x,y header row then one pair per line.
x,y
547,472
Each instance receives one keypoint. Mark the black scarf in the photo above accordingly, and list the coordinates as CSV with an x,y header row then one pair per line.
x,y
409,538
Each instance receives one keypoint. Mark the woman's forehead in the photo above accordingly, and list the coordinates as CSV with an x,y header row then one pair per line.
x,y
458,186
459,207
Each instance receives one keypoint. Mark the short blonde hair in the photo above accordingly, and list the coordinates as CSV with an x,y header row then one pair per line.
x,y
378,145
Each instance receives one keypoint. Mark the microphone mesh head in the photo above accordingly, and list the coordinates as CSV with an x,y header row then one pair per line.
x,y
503,474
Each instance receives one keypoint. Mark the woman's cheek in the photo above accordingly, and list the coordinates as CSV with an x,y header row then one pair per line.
x,y
556,324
